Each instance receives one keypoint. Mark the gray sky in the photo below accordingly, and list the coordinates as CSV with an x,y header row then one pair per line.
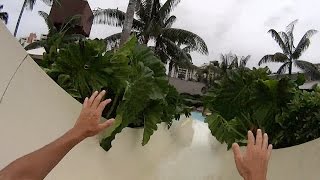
x,y
239,26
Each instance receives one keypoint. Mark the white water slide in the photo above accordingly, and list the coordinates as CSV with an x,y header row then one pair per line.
x,y
34,111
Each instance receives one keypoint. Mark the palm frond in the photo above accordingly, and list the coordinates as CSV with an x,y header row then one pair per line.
x,y
167,7
113,17
35,45
277,57
50,2
303,44
113,40
49,23
309,68
170,21
289,32
283,68
4,16
224,62
185,37
175,52
244,61
144,10
290,27
275,35
148,4
30,4
187,49
285,38
73,38
71,22
140,9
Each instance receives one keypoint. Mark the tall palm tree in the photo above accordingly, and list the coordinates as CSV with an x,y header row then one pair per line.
x,y
4,15
153,22
290,53
29,4
128,21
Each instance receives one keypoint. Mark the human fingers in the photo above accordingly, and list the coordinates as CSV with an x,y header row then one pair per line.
x,y
106,124
85,102
269,151
98,99
102,105
91,99
265,141
259,138
251,139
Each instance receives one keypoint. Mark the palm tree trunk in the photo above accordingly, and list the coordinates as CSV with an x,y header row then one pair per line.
x,y
127,26
170,68
146,40
290,68
19,19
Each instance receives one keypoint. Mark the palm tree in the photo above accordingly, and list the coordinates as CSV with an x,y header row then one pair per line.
x,y
153,22
180,60
216,70
128,21
4,15
29,4
232,61
290,53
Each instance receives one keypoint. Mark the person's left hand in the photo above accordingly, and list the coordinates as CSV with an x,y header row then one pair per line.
x,y
88,123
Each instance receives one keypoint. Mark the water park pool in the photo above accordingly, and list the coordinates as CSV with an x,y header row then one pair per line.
x,y
197,116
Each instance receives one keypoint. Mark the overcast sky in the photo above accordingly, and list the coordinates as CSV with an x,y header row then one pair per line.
x,y
239,26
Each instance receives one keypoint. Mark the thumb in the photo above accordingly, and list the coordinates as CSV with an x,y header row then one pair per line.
x,y
106,124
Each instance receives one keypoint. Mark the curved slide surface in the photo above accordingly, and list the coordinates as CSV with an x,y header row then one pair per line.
x,y
34,111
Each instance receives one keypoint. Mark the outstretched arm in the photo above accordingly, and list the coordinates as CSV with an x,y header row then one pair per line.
x,y
253,164
38,164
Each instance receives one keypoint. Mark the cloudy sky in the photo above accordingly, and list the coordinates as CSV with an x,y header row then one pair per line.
x,y
238,26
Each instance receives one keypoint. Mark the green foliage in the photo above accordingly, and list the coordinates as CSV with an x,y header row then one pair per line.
x,y
247,100
154,22
133,77
300,121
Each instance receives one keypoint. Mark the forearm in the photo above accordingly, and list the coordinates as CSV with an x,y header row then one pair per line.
x,y
38,164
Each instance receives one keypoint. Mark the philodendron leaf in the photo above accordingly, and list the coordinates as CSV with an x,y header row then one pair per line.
x,y
150,125
109,130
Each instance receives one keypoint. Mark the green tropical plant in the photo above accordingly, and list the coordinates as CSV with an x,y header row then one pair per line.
x,y
56,38
247,100
290,53
153,22
4,15
301,120
133,76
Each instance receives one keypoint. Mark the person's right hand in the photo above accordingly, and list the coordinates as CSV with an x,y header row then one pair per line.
x,y
88,123
253,164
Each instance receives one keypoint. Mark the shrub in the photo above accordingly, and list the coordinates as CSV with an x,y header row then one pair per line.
x,y
134,78
247,100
